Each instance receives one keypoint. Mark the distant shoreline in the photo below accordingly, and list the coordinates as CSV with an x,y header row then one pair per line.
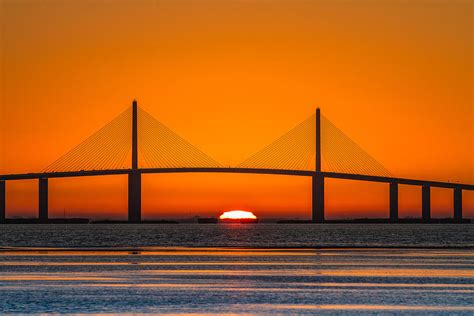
x,y
284,221
382,221
218,248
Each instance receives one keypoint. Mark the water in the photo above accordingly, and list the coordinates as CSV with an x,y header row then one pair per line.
x,y
249,235
232,269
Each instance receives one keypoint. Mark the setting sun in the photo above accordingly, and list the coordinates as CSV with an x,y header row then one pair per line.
x,y
238,216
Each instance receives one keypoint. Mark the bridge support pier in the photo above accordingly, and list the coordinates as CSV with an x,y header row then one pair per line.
x,y
458,204
426,203
43,199
2,202
393,201
134,197
317,198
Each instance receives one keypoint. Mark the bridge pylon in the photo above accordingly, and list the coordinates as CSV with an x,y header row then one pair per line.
x,y
393,201
2,201
457,204
426,203
134,177
43,199
317,183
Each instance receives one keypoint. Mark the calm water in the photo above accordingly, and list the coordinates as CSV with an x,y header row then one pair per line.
x,y
250,235
183,269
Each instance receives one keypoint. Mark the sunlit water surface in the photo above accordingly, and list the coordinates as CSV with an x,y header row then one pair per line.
x,y
180,269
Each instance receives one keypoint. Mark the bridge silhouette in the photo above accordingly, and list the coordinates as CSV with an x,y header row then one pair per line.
x,y
314,148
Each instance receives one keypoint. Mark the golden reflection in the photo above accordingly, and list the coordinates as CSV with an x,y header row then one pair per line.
x,y
440,273
155,251
362,284
377,307
232,263
237,271
381,254
53,278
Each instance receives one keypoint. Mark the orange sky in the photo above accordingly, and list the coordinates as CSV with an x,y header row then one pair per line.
x,y
230,77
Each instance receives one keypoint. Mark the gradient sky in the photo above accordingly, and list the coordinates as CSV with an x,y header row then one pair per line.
x,y
230,77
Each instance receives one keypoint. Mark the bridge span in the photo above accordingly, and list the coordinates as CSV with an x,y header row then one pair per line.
x,y
317,175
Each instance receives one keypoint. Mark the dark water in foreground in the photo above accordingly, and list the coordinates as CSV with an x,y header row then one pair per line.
x,y
182,269
236,235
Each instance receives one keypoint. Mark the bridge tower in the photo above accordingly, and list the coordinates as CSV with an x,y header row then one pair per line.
x,y
318,178
135,176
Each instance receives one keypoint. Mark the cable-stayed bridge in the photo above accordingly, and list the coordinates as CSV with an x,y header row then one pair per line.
x,y
135,143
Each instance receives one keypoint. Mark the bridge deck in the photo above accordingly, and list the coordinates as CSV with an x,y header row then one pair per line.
x,y
306,173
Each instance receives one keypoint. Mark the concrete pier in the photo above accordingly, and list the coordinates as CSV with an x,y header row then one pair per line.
x,y
2,201
43,199
426,202
134,197
458,204
393,201
318,198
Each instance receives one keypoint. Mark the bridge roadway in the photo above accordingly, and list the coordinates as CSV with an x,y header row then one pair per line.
x,y
134,188
307,173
